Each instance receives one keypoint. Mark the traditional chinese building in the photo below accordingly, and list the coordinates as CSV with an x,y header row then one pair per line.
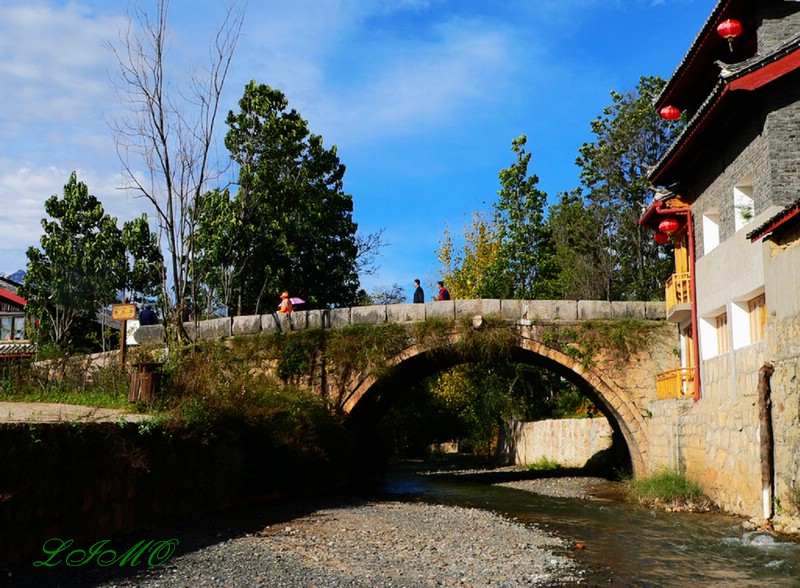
x,y
727,193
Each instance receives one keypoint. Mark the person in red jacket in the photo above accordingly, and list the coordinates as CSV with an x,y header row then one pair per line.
x,y
444,293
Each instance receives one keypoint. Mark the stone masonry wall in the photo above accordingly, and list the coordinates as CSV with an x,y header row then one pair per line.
x,y
715,441
568,442
719,171
665,434
780,20
782,122
782,260
785,386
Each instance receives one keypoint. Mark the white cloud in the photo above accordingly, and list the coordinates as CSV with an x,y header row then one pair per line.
x,y
428,88
354,82
53,71
53,65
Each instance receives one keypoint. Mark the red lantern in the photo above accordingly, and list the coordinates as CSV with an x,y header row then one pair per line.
x,y
729,29
660,238
668,225
670,113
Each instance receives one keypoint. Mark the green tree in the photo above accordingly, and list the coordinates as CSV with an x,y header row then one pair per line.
x,y
384,294
81,264
144,262
509,252
289,225
630,137
526,247
470,403
170,132
474,271
576,234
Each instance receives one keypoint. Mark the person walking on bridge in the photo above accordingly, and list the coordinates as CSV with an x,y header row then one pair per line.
x,y
419,294
285,306
444,293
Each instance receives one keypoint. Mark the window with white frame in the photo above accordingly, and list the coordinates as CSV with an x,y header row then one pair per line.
x,y
747,318
721,321
710,231
707,334
757,309
743,205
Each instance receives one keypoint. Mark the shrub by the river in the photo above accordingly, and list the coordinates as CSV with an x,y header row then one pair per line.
x,y
666,486
543,463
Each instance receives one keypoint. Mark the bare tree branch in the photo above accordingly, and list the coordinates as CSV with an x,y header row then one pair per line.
x,y
170,131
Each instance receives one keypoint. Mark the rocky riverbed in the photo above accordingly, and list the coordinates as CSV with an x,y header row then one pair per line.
x,y
327,542
389,544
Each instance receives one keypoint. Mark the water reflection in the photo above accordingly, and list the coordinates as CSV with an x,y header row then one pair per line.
x,y
625,544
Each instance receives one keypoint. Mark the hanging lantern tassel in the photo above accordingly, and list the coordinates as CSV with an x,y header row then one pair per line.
x,y
729,29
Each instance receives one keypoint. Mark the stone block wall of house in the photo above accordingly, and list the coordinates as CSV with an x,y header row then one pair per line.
x,y
768,148
720,445
664,434
720,171
785,388
731,376
780,129
782,272
713,444
780,20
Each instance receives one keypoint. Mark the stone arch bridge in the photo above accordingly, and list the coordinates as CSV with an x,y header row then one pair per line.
x,y
618,371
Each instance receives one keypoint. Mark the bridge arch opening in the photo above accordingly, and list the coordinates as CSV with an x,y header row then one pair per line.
x,y
373,397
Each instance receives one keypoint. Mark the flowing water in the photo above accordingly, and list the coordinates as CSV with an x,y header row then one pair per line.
x,y
626,544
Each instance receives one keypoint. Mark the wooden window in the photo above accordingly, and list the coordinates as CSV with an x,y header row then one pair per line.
x,y
757,307
12,328
722,333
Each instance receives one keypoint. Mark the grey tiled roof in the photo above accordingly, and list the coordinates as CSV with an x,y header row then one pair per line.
x,y
735,70
687,58
773,219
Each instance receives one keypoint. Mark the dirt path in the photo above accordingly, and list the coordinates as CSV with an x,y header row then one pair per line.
x,y
43,412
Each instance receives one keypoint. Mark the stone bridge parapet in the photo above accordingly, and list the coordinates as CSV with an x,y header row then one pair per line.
x,y
522,311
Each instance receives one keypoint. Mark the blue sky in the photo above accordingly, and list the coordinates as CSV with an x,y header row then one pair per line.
x,y
421,97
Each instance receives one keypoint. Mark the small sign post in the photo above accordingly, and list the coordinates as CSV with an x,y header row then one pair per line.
x,y
123,312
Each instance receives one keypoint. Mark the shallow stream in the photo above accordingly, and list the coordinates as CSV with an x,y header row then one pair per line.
x,y
625,544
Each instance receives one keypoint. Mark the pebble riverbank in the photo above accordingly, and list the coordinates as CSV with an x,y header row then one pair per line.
x,y
386,544
326,543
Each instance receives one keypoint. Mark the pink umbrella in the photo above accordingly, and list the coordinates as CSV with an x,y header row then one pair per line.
x,y
296,301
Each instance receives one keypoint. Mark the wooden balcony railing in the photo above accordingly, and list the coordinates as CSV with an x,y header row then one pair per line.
x,y
678,290
675,383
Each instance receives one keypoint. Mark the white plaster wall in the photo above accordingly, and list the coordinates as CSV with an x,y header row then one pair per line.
x,y
729,272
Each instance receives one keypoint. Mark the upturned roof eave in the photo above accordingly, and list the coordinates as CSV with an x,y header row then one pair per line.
x,y
752,76
706,31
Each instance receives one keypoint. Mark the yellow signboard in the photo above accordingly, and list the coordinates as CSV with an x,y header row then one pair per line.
x,y
123,312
